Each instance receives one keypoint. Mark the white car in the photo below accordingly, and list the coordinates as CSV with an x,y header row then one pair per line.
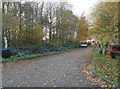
x,y
84,44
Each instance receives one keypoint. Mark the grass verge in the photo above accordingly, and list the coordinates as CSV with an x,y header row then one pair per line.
x,y
15,58
106,68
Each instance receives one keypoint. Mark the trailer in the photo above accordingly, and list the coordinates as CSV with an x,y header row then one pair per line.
x,y
114,51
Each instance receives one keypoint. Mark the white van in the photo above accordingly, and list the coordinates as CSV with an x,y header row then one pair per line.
x,y
84,44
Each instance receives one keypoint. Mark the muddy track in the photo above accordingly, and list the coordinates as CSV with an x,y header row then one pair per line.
x,y
61,70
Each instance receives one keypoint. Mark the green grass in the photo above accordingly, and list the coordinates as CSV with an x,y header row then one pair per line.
x,y
14,58
106,68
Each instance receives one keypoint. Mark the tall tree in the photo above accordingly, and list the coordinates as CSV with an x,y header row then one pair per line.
x,y
82,28
105,22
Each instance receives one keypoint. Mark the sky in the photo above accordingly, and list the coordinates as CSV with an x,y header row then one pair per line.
x,y
79,6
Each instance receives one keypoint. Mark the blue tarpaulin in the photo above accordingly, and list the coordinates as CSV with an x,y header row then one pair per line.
x,y
15,50
21,54
40,51
47,50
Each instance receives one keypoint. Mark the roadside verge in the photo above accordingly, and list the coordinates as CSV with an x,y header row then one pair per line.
x,y
106,69
26,57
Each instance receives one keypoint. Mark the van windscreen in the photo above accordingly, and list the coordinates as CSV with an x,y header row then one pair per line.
x,y
83,42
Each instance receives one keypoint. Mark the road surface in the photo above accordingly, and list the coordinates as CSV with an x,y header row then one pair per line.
x,y
61,70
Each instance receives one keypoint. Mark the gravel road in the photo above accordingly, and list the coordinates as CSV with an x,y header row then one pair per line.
x,y
61,70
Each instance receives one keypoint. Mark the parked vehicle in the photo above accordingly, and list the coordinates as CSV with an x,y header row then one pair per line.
x,y
89,43
114,51
84,44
